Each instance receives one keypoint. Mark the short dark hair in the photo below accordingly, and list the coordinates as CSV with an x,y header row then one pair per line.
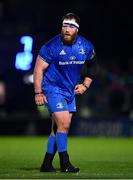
x,y
71,16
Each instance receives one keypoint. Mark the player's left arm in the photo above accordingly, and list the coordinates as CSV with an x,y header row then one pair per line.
x,y
91,69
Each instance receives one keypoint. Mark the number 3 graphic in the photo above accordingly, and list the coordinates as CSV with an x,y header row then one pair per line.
x,y
24,59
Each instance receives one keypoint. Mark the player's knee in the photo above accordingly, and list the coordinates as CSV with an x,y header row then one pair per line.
x,y
64,127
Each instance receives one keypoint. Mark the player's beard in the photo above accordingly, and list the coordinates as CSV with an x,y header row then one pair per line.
x,y
68,38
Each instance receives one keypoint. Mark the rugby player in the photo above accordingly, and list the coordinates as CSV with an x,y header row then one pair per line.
x,y
56,82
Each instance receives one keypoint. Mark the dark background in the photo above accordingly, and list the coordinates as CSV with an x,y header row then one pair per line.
x,y
107,24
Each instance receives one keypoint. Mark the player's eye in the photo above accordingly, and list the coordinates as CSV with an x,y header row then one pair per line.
x,y
72,26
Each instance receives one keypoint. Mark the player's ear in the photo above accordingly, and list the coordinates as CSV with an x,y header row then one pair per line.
x,y
77,29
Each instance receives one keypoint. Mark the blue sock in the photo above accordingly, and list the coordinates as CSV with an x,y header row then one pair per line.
x,y
51,144
61,141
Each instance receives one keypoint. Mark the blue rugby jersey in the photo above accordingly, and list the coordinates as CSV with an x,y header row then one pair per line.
x,y
65,63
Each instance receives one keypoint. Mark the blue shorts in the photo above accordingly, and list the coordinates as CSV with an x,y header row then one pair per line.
x,y
58,104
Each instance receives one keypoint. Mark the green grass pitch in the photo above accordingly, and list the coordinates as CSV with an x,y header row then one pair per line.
x,y
98,158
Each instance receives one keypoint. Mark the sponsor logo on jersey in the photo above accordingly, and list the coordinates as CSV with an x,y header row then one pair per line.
x,y
59,105
72,58
70,62
62,52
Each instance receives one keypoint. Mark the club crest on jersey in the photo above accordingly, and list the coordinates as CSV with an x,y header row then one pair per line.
x,y
62,52
81,51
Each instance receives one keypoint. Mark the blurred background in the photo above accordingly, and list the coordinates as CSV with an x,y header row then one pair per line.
x,y
107,108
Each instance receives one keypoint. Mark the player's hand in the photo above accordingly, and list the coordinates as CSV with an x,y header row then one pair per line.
x,y
80,89
40,99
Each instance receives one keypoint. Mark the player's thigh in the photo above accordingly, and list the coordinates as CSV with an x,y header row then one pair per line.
x,y
61,122
59,109
72,108
62,118
70,115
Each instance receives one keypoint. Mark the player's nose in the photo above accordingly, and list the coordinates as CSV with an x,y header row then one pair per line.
x,y
67,28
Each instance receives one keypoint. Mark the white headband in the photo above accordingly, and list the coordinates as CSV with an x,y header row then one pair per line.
x,y
70,23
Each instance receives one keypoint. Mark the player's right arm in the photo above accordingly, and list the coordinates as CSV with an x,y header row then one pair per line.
x,y
39,69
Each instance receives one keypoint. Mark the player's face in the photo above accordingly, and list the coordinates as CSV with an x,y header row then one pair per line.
x,y
69,33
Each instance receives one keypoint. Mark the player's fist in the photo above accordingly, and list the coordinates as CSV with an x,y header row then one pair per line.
x,y
40,99
80,89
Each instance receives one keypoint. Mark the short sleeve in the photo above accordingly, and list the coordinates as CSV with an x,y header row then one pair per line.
x,y
45,53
